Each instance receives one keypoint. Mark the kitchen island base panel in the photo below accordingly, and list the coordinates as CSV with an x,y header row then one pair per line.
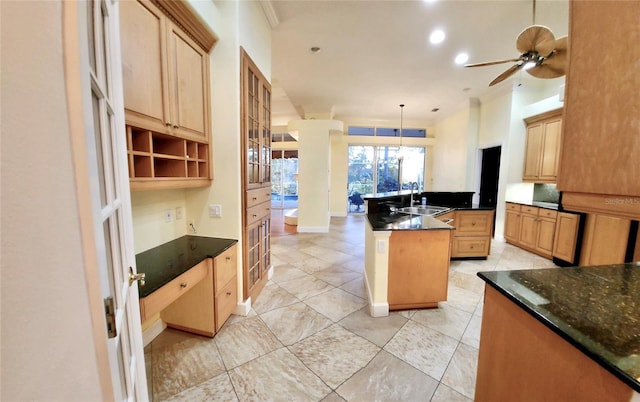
x,y
520,359
412,306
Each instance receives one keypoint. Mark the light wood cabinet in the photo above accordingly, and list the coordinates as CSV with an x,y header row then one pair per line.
x,y
600,147
566,236
605,240
225,285
418,268
256,172
542,153
166,96
531,228
472,237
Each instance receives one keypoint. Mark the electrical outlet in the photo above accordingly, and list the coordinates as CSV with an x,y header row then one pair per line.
x,y
178,213
215,211
168,215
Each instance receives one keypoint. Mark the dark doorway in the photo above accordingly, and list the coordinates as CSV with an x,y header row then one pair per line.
x,y
489,176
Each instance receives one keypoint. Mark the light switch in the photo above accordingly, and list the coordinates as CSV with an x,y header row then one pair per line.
x,y
215,211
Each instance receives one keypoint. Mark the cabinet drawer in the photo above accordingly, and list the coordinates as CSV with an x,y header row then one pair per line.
x,y
525,209
448,218
224,268
547,213
226,302
471,247
473,223
513,207
258,212
258,196
167,294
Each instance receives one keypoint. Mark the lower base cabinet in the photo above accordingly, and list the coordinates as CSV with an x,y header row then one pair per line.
x,y
531,228
474,229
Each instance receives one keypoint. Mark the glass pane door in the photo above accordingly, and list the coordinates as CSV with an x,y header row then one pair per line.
x,y
284,179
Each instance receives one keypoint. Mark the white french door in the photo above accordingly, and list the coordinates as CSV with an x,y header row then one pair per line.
x,y
99,60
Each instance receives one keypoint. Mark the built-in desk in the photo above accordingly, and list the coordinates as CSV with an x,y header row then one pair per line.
x,y
191,282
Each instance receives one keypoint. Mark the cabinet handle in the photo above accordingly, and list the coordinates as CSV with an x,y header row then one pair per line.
x,y
183,285
473,223
254,198
254,215
228,258
228,293
176,126
167,123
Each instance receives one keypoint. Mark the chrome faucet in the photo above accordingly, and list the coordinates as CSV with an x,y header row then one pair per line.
x,y
412,184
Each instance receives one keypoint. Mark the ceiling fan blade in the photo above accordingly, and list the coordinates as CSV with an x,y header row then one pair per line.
x,y
506,74
536,38
554,65
491,63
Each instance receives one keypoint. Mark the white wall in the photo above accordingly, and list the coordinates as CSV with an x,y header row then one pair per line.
x,y
450,153
46,340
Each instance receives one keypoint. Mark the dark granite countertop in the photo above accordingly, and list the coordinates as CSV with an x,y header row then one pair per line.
x,y
167,261
596,309
539,204
402,221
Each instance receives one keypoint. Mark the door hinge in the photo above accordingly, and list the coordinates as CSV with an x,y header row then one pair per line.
x,y
110,315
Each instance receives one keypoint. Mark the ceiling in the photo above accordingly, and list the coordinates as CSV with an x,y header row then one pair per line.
x,y
376,55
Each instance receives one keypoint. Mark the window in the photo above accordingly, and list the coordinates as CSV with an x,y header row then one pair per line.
x,y
387,132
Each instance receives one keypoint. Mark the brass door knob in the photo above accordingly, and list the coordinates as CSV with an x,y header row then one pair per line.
x,y
136,277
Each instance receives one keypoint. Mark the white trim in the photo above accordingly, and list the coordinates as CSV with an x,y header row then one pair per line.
x,y
270,13
243,308
154,330
313,229
270,273
375,309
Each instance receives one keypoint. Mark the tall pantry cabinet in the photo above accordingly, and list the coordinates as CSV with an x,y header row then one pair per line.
x,y
256,172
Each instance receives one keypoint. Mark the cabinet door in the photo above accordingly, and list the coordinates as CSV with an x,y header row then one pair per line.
x,y
512,226
528,226
550,157
565,237
188,70
533,151
144,67
544,236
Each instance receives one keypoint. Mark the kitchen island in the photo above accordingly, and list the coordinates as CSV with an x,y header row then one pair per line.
x,y
561,334
406,261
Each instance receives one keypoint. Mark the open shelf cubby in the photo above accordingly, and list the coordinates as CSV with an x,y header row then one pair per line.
x,y
156,157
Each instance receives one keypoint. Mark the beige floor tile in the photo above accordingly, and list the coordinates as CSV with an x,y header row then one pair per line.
x,y
356,287
378,330
336,275
445,319
446,394
471,335
182,365
244,341
424,348
461,373
277,376
335,354
306,287
387,378
335,304
286,272
333,397
462,299
326,254
272,297
218,388
294,323
312,264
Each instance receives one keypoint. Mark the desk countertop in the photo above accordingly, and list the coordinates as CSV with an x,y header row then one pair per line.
x,y
165,262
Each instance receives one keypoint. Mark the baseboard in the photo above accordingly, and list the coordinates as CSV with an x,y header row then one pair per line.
x,y
375,309
501,239
243,308
339,214
313,229
152,331
270,273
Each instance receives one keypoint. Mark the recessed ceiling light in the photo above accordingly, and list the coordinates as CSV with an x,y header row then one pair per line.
x,y
461,58
437,36
315,49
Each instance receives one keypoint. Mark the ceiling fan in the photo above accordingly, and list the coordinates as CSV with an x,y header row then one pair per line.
x,y
542,55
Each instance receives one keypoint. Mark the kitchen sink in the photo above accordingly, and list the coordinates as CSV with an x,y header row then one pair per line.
x,y
429,210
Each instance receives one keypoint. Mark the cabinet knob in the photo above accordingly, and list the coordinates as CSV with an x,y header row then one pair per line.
x,y
228,293
183,285
167,123
176,126
228,258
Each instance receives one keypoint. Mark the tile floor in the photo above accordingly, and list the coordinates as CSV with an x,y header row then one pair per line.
x,y
309,336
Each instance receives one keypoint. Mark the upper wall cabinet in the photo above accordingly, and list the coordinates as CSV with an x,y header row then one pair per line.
x,y
542,155
601,136
165,64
